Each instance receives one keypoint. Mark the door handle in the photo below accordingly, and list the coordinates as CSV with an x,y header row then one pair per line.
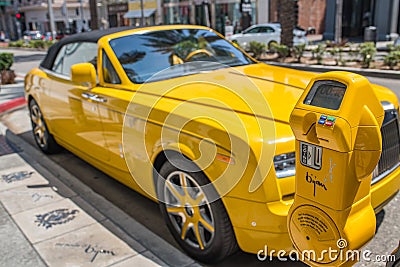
x,y
94,97
86,95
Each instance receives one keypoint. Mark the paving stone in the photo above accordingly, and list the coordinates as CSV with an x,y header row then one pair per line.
x,y
93,245
23,175
121,234
52,220
22,198
91,210
15,249
146,259
11,161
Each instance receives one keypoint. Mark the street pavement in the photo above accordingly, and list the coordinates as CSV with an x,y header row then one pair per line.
x,y
88,213
49,218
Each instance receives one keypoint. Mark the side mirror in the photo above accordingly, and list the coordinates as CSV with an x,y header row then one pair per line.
x,y
83,73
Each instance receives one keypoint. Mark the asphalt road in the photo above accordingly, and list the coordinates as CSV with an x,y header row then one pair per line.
x,y
147,212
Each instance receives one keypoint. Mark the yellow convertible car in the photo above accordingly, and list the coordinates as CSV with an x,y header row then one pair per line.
x,y
188,119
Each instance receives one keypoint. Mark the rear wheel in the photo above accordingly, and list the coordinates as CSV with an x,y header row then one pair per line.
x,y
41,134
202,228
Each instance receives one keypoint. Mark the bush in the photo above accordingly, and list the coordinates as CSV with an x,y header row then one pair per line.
x,y
318,52
19,43
6,61
391,47
392,59
257,48
367,51
298,51
281,49
48,43
36,43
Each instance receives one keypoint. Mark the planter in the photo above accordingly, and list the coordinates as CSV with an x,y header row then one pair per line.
x,y
7,77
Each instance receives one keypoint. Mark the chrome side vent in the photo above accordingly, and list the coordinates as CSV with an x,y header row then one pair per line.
x,y
390,158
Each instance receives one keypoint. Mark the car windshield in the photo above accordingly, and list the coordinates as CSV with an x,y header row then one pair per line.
x,y
144,55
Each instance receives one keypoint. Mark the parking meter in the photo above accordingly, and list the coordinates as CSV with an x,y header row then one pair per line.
x,y
336,123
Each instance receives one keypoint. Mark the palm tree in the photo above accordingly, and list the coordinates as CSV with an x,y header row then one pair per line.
x,y
287,19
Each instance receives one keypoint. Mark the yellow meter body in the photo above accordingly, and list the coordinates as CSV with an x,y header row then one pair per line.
x,y
336,123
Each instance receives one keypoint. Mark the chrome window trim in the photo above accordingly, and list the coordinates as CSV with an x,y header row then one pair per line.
x,y
56,74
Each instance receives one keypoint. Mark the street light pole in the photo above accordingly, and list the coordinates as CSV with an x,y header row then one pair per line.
x,y
142,13
338,21
81,13
51,18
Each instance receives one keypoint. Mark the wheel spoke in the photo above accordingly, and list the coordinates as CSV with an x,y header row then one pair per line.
x,y
43,139
207,224
34,119
38,131
182,178
200,198
171,188
198,235
175,210
185,228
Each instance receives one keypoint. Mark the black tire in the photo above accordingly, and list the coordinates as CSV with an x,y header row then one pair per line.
x,y
216,245
44,140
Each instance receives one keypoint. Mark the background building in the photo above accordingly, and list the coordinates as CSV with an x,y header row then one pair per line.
x,y
23,15
319,15
214,13
358,14
150,12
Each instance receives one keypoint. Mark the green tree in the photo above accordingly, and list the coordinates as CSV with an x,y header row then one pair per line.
x,y
6,61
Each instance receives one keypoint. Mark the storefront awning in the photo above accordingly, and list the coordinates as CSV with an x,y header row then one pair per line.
x,y
134,14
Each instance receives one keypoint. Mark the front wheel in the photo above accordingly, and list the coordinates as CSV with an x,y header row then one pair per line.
x,y
202,228
41,134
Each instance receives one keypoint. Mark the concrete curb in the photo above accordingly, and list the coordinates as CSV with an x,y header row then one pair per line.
x,y
12,104
390,74
122,225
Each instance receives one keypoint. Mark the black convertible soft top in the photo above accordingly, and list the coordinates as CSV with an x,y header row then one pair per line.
x,y
91,37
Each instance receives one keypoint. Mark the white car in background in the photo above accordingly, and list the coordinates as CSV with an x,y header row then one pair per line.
x,y
263,33
268,34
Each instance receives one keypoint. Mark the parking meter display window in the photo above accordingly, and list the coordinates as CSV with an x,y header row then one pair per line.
x,y
326,94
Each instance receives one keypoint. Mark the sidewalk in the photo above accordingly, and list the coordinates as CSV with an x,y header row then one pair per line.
x,y
48,217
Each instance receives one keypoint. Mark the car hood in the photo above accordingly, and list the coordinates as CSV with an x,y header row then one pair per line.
x,y
247,89
281,87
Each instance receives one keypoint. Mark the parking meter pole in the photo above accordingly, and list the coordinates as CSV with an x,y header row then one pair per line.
x,y
336,123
